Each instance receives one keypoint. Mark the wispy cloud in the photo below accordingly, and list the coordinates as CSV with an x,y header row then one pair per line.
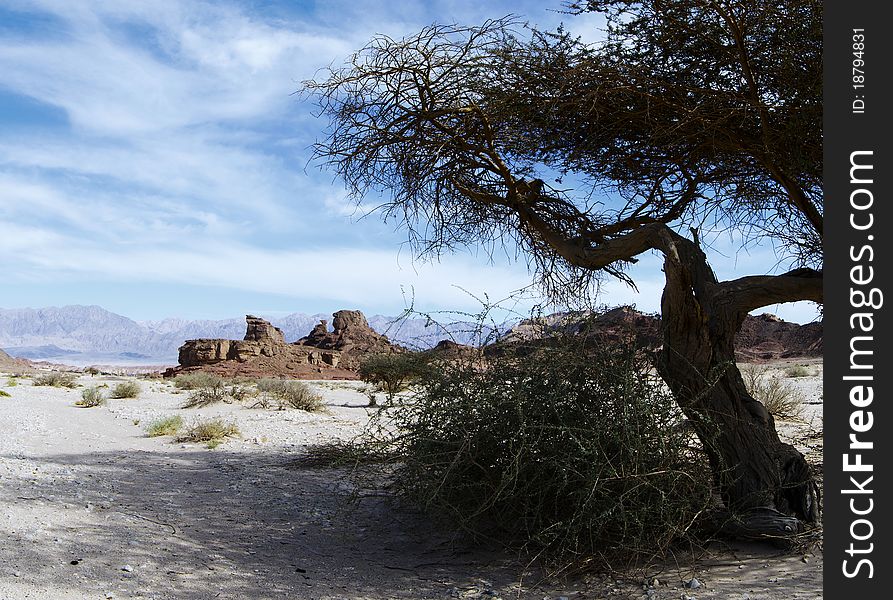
x,y
181,154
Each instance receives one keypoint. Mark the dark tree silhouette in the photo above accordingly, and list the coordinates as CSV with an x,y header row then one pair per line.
x,y
692,116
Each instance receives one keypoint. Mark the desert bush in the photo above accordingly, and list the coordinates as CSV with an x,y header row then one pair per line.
x,y
204,396
392,373
241,392
573,451
127,389
91,371
211,432
283,393
56,379
12,381
780,398
797,371
165,426
91,397
197,380
4,394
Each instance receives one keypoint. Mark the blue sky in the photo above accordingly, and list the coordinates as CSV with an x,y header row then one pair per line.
x,y
154,160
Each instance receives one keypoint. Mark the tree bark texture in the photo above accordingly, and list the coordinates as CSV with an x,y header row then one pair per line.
x,y
752,468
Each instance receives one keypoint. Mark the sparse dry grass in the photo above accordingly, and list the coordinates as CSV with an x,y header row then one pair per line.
x,y
779,397
165,426
211,432
284,394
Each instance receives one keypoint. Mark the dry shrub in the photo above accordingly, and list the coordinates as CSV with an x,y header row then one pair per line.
x,y
569,450
127,389
56,379
284,393
779,397
165,426
91,397
197,380
797,371
211,432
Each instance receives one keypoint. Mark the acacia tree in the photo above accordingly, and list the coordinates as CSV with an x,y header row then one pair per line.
x,y
692,117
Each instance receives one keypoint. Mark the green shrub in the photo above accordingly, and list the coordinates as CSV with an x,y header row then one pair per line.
x,y
392,373
4,394
165,426
12,381
127,389
797,371
91,397
56,379
211,432
780,398
573,451
283,393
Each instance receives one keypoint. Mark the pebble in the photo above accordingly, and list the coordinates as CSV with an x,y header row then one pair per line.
x,y
127,568
17,574
693,583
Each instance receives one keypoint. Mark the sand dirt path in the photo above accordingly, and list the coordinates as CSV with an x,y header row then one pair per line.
x,y
91,508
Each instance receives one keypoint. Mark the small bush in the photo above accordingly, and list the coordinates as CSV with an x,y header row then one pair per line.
x,y
240,393
91,371
797,371
165,426
283,393
392,373
211,432
91,397
576,452
4,394
11,382
780,398
56,379
127,389
197,380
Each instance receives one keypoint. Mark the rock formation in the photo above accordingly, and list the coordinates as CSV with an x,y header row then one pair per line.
x,y
762,337
12,365
351,337
264,352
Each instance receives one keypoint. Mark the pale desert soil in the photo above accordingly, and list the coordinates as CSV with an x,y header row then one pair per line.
x,y
92,508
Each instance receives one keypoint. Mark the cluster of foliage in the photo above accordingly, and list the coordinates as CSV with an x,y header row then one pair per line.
x,y
575,450
393,373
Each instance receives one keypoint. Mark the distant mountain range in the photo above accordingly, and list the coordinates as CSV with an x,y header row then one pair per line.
x,y
82,335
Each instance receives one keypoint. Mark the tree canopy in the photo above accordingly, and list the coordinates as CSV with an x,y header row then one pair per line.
x,y
694,113
692,117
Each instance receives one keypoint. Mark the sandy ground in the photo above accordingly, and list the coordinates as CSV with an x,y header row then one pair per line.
x,y
92,508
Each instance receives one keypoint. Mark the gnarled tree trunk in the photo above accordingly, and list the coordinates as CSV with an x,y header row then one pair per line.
x,y
756,473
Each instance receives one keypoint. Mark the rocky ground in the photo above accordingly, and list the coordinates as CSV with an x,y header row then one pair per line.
x,y
92,508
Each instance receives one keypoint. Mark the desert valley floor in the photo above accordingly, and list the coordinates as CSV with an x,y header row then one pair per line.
x,y
93,508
